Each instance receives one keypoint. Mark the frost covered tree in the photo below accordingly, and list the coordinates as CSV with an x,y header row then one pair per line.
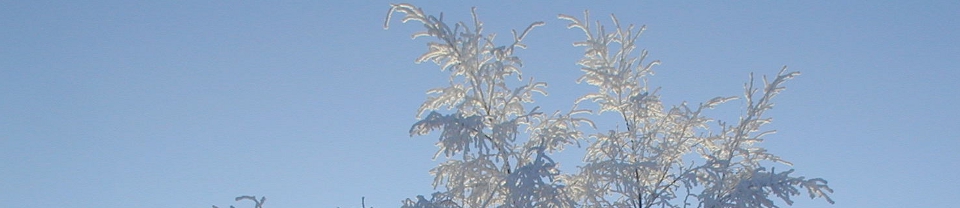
x,y
498,151
480,119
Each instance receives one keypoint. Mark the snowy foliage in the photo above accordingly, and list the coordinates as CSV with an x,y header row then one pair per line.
x,y
498,153
480,118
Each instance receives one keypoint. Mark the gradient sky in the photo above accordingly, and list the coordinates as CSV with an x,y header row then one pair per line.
x,y
190,104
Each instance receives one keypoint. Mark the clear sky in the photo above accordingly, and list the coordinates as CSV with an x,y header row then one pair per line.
x,y
190,104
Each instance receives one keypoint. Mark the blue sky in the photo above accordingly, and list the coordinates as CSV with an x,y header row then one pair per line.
x,y
190,104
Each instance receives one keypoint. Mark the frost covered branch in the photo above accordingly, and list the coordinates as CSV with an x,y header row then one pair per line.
x,y
497,153
644,165
481,119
